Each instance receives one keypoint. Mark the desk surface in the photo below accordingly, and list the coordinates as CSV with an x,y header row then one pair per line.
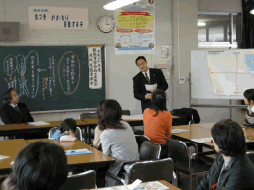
x,y
10,148
97,157
170,186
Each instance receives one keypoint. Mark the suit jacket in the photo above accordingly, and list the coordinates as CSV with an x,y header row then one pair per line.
x,y
10,116
237,175
139,89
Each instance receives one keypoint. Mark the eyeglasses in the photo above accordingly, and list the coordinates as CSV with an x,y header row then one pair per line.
x,y
141,64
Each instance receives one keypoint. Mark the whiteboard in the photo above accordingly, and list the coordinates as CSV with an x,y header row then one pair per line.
x,y
236,63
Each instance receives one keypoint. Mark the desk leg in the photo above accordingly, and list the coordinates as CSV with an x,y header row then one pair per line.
x,y
200,148
89,134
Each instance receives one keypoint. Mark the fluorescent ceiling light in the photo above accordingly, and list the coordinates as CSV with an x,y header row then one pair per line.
x,y
201,23
252,12
119,3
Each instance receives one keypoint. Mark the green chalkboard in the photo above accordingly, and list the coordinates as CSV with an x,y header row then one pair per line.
x,y
53,77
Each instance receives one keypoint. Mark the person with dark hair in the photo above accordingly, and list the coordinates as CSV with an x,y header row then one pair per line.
x,y
13,111
117,137
39,165
232,169
147,76
68,127
249,100
157,120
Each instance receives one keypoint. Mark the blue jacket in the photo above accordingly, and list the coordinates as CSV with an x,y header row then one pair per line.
x,y
58,134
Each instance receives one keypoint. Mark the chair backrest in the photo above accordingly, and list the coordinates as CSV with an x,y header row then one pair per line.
x,y
251,156
140,139
177,150
126,112
52,131
85,180
149,151
152,170
78,134
88,115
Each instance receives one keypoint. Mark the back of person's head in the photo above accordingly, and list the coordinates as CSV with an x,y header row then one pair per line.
x,y
39,165
249,94
109,114
159,100
71,123
7,95
229,137
140,57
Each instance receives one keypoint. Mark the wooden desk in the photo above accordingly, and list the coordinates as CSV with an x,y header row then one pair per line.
x,y
10,148
170,186
88,161
203,130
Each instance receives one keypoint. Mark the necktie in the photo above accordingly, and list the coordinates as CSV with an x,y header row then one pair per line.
x,y
16,108
147,78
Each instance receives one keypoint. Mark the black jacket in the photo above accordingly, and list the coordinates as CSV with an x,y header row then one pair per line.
x,y
238,174
10,116
139,89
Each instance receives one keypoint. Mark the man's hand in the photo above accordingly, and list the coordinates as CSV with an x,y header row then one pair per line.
x,y
153,90
148,96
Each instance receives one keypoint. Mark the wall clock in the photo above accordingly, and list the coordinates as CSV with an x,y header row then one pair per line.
x,y
106,24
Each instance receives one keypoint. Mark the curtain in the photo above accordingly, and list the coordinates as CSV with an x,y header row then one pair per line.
x,y
247,24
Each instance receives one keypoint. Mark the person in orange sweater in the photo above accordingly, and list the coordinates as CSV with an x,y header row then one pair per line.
x,y
157,120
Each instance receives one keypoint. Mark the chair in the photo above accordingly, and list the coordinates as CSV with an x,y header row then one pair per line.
x,y
193,165
149,151
140,139
251,156
52,131
85,180
149,171
88,115
78,133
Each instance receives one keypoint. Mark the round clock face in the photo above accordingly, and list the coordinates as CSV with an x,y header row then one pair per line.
x,y
106,24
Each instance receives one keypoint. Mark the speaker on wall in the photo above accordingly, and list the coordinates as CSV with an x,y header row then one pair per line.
x,y
9,31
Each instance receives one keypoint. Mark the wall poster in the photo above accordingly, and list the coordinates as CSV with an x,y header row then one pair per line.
x,y
135,28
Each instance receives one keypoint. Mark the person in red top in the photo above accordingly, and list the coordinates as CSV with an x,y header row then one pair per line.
x,y
157,120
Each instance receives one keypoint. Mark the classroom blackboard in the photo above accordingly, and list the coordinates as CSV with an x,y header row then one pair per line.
x,y
50,77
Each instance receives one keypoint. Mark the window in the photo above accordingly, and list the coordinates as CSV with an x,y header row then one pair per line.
x,y
219,30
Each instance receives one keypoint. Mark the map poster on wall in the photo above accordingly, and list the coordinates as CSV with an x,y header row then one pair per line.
x,y
231,72
134,31
58,18
95,67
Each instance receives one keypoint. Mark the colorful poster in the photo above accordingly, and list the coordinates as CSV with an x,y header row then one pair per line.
x,y
134,31
58,18
95,67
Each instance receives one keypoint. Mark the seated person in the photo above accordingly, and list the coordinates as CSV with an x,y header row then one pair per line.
x,y
39,165
249,100
157,120
117,137
13,111
232,169
68,127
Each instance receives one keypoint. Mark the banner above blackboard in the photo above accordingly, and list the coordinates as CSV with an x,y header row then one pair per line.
x,y
51,77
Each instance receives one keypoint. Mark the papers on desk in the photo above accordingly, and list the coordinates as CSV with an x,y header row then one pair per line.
x,y
203,140
150,87
175,131
142,186
3,157
77,151
38,123
132,117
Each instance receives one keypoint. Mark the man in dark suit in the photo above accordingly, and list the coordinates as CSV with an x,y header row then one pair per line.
x,y
147,76
13,111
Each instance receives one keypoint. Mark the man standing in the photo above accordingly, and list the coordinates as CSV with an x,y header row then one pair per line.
x,y
145,77
13,111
